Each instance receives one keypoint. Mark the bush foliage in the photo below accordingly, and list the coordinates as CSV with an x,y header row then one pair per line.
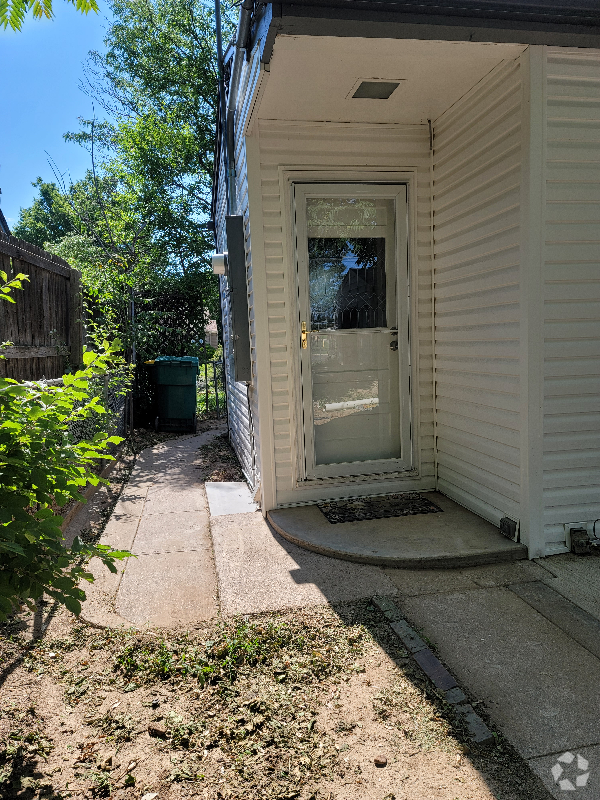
x,y
42,468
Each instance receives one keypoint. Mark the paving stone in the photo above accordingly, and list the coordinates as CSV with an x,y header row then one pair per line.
x,y
478,730
389,609
434,669
454,695
410,639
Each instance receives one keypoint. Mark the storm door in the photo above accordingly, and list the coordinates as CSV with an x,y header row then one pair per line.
x,y
353,291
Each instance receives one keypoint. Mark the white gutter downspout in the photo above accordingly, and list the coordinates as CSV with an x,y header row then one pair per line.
x,y
240,51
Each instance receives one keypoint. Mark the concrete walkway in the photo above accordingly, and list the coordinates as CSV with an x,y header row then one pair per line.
x,y
162,517
523,638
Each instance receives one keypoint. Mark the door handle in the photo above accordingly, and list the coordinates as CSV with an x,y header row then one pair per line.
x,y
304,337
394,345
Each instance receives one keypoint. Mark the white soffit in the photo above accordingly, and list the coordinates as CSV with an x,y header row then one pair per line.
x,y
312,77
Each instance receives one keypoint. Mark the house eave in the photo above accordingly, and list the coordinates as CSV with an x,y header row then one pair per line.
x,y
549,23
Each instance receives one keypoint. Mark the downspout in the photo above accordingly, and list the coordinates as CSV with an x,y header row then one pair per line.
x,y
223,112
240,51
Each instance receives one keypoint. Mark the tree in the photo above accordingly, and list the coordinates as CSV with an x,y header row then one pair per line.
x,y
48,219
136,221
13,12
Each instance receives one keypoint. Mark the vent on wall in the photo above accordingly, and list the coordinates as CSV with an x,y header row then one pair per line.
x,y
376,90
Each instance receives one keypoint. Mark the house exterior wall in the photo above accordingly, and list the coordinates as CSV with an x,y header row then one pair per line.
x,y
571,291
511,425
350,150
241,398
476,210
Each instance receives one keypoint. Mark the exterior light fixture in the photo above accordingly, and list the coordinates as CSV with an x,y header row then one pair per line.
x,y
219,263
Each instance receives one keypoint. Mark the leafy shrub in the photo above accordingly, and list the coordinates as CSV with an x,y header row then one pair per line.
x,y
42,468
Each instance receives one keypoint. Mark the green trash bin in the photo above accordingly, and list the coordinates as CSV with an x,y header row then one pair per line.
x,y
174,378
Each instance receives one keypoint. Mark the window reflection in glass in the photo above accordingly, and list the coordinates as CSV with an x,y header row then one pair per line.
x,y
347,283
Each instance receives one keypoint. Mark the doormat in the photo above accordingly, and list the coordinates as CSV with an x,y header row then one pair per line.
x,y
390,505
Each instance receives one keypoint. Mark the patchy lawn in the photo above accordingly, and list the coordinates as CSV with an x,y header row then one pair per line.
x,y
291,705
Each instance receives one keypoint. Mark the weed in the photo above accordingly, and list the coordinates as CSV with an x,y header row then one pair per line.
x,y
101,784
180,732
117,727
146,659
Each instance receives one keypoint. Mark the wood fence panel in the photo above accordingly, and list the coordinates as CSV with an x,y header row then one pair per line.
x,y
45,324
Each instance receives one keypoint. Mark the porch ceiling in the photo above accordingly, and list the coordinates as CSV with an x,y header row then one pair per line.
x,y
313,78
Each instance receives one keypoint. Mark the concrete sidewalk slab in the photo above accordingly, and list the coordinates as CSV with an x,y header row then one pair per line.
x,y
168,500
229,497
260,571
575,577
539,686
162,516
574,621
166,589
182,531
435,581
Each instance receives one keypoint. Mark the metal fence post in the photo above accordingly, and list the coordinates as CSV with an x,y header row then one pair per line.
x,y
216,383
206,385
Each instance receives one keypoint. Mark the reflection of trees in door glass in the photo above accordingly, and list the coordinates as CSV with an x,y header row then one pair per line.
x,y
351,212
347,283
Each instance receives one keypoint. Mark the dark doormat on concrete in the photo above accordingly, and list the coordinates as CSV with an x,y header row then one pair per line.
x,y
389,505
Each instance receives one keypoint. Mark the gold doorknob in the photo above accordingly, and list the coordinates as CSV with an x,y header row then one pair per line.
x,y
304,337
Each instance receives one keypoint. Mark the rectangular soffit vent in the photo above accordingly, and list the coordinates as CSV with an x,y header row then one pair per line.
x,y
375,89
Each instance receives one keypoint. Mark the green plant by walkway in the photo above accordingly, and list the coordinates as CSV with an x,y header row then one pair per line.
x,y
41,469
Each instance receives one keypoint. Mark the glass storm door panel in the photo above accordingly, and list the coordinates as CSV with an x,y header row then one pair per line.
x,y
353,292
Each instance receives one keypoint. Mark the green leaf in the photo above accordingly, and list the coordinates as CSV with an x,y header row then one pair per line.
x,y
11,547
72,604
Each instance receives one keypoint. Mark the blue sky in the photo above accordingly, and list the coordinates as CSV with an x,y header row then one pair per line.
x,y
40,71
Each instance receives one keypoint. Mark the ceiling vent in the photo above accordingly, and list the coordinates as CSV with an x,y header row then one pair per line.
x,y
376,90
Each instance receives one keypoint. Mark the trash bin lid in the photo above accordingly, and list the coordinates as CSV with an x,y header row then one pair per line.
x,y
190,361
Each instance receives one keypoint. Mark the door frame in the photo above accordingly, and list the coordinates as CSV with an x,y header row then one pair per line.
x,y
398,190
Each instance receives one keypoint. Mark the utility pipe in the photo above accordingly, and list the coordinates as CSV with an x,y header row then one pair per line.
x,y
234,82
223,108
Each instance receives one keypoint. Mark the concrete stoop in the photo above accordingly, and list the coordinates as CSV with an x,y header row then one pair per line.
x,y
454,538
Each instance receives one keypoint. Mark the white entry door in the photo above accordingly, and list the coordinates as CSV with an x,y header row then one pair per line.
x,y
353,291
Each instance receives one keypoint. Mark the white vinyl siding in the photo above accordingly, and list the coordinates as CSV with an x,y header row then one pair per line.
x,y
241,399
571,292
476,207
330,146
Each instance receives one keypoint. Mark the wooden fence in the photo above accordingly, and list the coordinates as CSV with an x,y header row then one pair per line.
x,y
45,324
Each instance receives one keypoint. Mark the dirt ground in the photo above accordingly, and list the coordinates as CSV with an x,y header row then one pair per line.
x,y
300,704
